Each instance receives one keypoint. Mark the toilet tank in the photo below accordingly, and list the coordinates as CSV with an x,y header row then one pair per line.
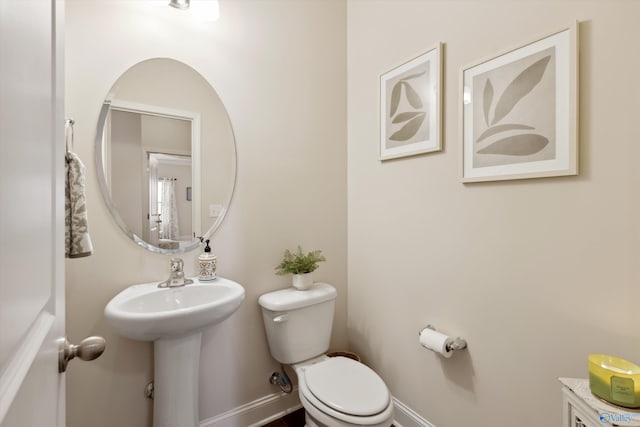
x,y
298,323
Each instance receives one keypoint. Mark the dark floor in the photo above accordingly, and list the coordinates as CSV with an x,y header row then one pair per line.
x,y
294,419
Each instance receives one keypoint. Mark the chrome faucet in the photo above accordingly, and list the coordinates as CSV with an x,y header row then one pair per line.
x,y
176,277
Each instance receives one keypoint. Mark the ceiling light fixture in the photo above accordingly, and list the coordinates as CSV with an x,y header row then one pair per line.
x,y
202,10
180,4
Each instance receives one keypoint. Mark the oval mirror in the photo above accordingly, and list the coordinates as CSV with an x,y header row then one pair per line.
x,y
166,156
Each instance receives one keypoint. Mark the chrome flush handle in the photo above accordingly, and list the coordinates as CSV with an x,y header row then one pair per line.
x,y
281,318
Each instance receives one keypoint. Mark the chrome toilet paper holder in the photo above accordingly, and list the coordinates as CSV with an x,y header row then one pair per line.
x,y
458,343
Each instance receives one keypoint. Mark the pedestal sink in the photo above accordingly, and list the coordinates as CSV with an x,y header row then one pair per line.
x,y
173,318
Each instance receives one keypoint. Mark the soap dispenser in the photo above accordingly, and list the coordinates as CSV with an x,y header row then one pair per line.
x,y
207,262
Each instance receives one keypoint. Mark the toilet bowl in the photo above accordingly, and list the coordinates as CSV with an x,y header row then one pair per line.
x,y
334,391
340,392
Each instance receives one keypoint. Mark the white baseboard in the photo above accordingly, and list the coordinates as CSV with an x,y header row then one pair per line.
x,y
257,413
273,406
407,417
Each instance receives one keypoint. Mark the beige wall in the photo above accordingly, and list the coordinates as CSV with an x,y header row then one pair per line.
x,y
535,274
126,183
280,70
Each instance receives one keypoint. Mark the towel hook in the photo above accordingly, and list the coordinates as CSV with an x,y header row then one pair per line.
x,y
68,136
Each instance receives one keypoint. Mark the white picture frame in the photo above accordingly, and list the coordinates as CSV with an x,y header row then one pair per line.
x,y
410,107
519,111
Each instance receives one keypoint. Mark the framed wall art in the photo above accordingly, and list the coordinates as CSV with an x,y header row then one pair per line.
x,y
519,112
410,107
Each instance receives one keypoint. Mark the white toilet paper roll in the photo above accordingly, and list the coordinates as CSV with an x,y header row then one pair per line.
x,y
436,341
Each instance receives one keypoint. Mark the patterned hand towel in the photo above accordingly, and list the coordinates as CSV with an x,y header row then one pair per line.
x,y
77,240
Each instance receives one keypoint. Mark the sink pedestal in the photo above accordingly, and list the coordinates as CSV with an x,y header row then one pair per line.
x,y
175,390
173,318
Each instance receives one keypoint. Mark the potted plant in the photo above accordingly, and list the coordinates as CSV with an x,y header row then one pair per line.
x,y
301,266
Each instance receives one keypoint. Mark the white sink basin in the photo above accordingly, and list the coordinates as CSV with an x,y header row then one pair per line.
x,y
147,313
173,318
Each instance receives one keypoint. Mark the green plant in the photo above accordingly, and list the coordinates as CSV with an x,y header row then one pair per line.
x,y
298,262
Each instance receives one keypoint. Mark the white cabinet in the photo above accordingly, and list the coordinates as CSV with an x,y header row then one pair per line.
x,y
583,409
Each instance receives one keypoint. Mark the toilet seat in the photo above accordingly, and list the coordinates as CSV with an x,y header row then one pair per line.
x,y
347,386
346,390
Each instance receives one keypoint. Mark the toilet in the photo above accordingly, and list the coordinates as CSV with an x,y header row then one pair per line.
x,y
334,391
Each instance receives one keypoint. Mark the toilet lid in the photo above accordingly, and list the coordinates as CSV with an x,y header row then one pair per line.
x,y
347,386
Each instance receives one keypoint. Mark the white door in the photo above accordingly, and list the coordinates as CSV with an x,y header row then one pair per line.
x,y
31,212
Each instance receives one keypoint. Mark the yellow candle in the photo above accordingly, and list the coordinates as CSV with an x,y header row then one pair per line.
x,y
615,380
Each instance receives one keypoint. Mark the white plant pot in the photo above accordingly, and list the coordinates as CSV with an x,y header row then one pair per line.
x,y
303,281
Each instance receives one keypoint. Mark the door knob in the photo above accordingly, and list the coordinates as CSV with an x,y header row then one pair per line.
x,y
89,349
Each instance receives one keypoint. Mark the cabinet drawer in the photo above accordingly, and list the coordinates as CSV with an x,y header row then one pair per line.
x,y
579,419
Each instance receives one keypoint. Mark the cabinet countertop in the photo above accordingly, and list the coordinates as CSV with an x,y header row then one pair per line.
x,y
607,413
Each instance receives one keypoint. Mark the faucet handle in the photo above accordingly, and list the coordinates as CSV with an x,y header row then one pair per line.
x,y
176,277
177,265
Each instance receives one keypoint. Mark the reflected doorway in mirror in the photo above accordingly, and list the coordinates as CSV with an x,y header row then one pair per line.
x,y
147,97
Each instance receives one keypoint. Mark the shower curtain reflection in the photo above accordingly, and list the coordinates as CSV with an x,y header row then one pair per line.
x,y
168,209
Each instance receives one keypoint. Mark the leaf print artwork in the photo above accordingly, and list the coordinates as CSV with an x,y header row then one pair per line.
x,y
502,128
487,99
519,87
511,141
409,130
519,111
407,112
412,96
517,145
395,99
403,117
410,107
